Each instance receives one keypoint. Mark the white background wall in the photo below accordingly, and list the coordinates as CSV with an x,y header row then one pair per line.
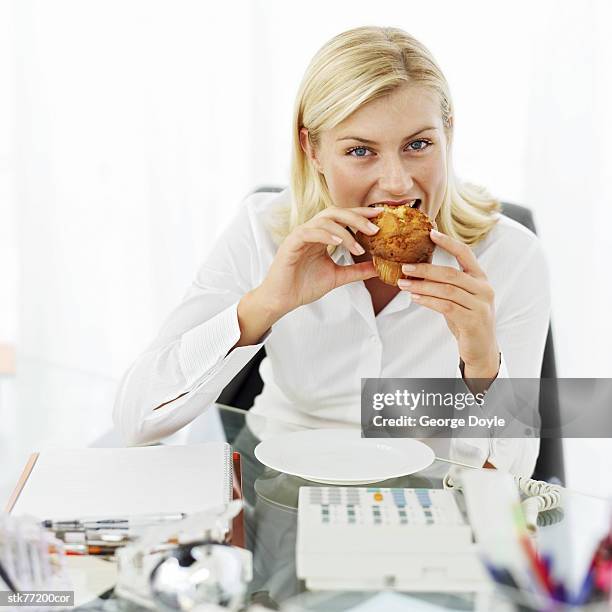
x,y
130,131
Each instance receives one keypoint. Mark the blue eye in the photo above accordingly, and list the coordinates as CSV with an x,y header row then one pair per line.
x,y
358,151
426,144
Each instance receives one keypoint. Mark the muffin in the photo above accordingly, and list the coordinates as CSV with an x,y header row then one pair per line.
x,y
403,238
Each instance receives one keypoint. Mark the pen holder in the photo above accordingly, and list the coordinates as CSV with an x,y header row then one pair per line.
x,y
30,557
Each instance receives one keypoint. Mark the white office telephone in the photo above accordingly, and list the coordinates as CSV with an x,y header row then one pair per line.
x,y
408,539
375,538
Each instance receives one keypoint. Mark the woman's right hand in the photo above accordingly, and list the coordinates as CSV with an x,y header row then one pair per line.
x,y
302,270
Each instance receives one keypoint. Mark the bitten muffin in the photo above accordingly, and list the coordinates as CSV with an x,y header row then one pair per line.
x,y
403,238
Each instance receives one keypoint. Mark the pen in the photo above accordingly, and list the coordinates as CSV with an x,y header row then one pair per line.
x,y
111,523
85,549
7,579
560,593
537,565
585,589
77,536
501,575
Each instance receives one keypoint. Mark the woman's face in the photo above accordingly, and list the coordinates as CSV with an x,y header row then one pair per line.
x,y
392,150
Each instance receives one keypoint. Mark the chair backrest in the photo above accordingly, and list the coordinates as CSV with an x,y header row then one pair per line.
x,y
550,464
247,384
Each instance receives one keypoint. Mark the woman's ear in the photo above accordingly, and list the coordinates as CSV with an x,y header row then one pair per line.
x,y
309,149
448,130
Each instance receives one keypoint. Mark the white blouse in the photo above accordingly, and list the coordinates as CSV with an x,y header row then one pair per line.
x,y
318,353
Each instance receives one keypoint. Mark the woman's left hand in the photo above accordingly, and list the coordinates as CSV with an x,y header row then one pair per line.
x,y
465,298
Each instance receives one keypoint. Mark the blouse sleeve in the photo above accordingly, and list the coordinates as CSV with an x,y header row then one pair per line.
x,y
190,362
522,287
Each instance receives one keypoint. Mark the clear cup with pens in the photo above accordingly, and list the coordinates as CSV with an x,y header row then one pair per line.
x,y
563,563
536,585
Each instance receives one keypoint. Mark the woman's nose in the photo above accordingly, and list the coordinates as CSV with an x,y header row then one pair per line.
x,y
395,179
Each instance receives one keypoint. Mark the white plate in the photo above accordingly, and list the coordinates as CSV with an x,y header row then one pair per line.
x,y
342,456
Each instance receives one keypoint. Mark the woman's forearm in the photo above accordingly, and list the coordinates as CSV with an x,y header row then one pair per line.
x,y
255,317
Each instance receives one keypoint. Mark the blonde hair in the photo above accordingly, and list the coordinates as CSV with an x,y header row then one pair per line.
x,y
350,70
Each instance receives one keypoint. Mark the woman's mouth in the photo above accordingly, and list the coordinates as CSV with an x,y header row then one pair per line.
x,y
416,203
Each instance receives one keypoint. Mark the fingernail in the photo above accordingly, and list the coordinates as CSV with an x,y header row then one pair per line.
x,y
360,250
435,233
373,227
337,239
403,283
408,268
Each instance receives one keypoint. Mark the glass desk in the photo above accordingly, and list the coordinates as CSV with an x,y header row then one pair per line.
x,y
270,522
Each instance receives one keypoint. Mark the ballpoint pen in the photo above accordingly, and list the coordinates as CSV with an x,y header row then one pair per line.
x,y
112,523
89,549
81,536
537,565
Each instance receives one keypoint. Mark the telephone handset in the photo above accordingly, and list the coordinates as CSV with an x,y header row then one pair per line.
x,y
538,495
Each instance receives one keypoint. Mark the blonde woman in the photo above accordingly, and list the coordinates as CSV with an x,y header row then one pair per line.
x,y
373,125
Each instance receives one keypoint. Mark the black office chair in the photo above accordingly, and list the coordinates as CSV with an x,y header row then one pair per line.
x,y
247,384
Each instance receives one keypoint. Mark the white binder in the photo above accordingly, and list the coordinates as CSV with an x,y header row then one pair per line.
x,y
114,482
